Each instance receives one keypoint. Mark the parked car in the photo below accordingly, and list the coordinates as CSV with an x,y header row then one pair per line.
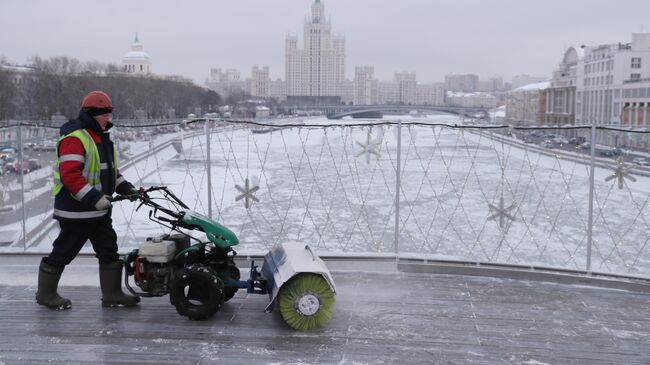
x,y
577,140
33,164
606,153
642,161
548,143
609,152
17,167
30,165
560,140
8,164
47,145
7,152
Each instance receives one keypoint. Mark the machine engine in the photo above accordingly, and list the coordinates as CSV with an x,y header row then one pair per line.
x,y
153,265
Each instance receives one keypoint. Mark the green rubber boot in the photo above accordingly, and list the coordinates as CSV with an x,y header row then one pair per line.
x,y
48,280
110,280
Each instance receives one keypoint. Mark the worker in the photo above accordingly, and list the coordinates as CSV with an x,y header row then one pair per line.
x,y
86,174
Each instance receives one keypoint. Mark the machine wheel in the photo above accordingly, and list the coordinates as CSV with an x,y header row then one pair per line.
x,y
196,292
306,301
229,292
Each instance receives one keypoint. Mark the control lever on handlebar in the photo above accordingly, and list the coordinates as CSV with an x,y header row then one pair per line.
x,y
130,197
172,221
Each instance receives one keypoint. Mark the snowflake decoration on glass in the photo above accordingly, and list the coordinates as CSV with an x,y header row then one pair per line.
x,y
501,212
247,193
369,148
621,172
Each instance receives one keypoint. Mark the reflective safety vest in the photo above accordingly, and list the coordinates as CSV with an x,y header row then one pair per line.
x,y
92,165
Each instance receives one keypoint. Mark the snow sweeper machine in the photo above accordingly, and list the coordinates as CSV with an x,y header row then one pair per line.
x,y
200,276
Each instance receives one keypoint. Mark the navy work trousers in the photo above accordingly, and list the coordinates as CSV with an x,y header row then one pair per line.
x,y
74,235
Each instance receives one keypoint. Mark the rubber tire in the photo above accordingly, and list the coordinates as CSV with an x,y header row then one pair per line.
x,y
229,292
204,287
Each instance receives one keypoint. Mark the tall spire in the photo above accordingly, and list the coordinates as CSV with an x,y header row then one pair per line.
x,y
317,12
136,46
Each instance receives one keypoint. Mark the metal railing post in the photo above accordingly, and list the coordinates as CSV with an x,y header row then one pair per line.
x,y
19,140
398,186
207,140
590,223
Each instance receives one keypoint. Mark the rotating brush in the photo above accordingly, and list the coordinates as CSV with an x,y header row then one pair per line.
x,y
306,302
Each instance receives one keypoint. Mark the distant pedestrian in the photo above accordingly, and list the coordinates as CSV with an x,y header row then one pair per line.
x,y
85,175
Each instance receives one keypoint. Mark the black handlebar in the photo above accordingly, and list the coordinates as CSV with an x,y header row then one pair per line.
x,y
144,199
175,213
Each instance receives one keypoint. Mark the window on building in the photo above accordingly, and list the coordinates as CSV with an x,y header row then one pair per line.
x,y
617,93
635,76
635,93
626,93
617,111
636,62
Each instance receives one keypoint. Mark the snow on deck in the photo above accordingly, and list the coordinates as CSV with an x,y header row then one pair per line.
x,y
385,317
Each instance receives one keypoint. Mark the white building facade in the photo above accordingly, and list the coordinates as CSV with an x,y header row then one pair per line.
x,y
278,89
260,83
633,102
318,69
388,92
430,94
471,100
137,61
467,83
561,94
227,82
407,83
366,87
526,105
603,76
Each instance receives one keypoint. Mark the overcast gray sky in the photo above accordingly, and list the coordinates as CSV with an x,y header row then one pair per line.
x,y
429,37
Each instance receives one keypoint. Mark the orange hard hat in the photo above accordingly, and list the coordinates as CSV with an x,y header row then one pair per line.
x,y
97,100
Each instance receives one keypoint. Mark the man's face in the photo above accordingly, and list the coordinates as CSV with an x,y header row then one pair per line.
x,y
103,120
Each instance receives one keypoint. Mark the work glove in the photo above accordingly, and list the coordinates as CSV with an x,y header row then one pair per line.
x,y
136,191
103,203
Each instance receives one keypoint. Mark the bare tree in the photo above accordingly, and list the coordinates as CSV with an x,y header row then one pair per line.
x,y
8,95
58,84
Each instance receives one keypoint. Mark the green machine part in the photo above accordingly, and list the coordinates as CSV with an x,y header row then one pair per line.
x,y
217,233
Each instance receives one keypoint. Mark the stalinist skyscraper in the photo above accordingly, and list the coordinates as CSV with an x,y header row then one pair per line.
x,y
319,68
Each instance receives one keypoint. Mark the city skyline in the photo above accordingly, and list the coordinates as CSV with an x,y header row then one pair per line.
x,y
432,40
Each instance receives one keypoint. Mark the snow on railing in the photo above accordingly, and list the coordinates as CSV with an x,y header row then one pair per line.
x,y
436,187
